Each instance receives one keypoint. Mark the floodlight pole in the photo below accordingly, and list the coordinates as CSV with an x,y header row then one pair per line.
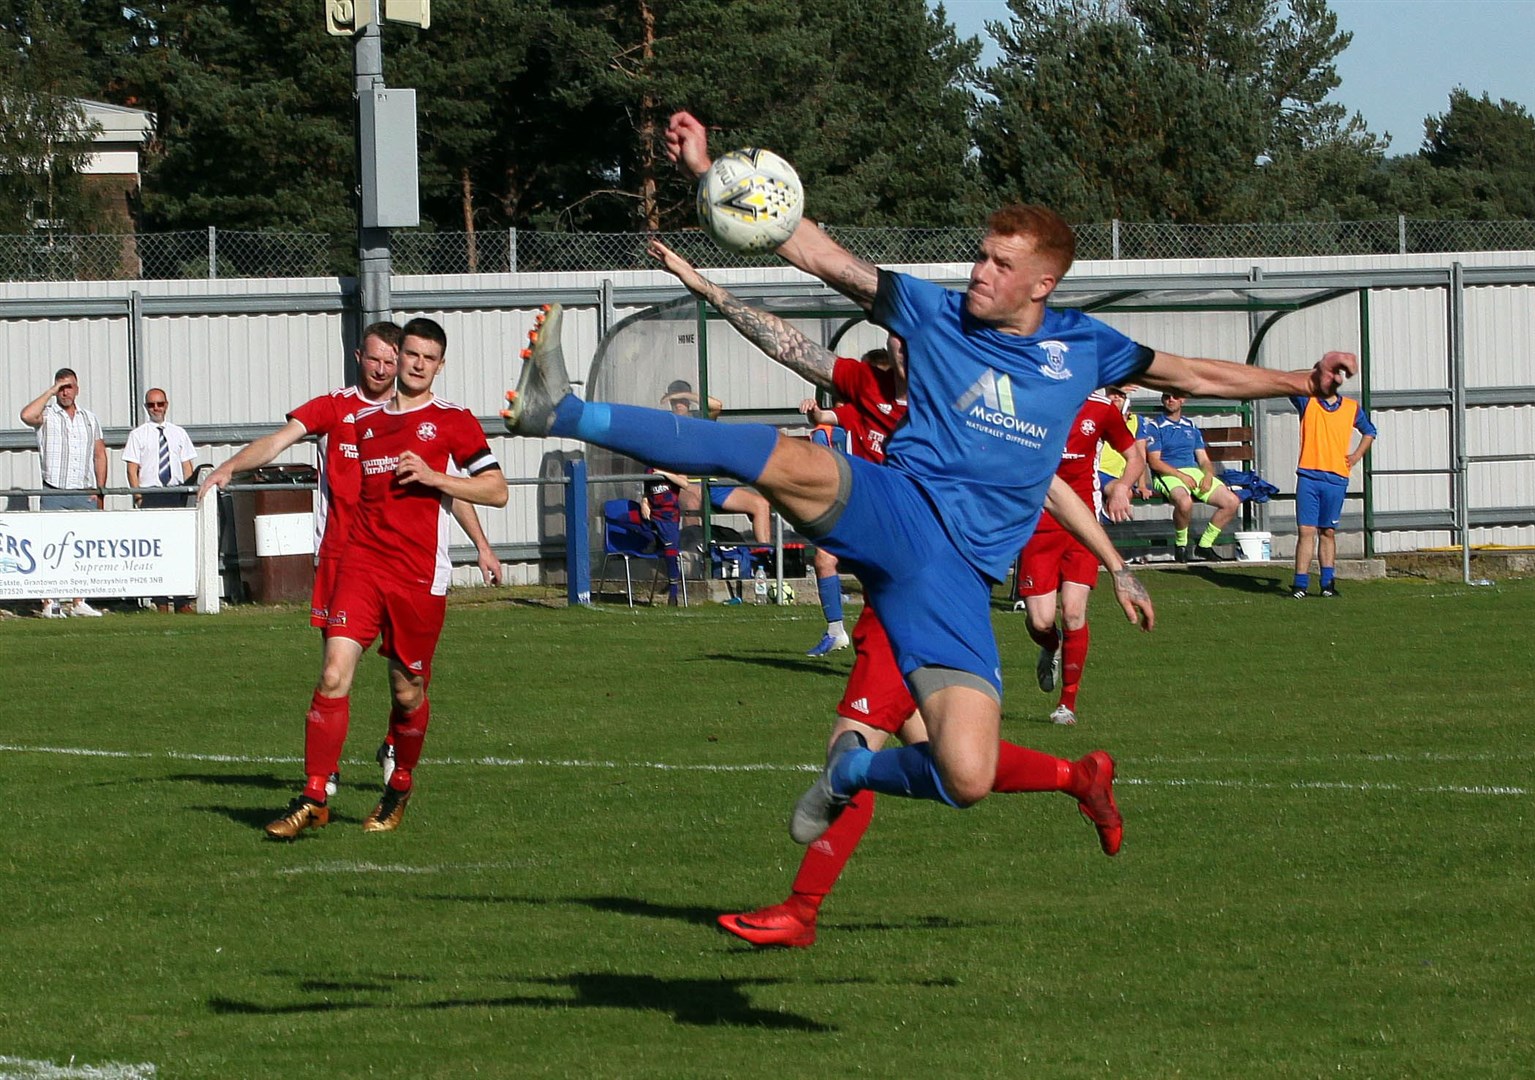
x,y
373,268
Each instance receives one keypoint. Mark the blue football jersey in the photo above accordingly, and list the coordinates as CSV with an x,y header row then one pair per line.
x,y
989,412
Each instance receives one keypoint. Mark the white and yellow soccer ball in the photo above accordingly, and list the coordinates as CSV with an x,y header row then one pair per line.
x,y
784,597
750,201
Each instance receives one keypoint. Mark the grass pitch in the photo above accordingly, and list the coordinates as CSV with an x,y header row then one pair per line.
x,y
1328,862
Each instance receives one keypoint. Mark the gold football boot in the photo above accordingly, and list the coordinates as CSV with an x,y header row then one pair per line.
x,y
389,812
302,813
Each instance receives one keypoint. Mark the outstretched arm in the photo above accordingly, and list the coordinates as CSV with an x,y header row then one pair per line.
x,y
767,331
1224,379
809,249
254,455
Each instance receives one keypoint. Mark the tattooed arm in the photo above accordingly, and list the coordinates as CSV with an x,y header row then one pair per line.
x,y
767,331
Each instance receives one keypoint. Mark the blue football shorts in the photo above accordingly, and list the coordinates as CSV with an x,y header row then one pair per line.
x,y
1318,503
935,605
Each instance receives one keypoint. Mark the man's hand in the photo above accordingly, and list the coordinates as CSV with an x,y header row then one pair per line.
x,y
413,470
678,267
1116,501
687,143
1331,372
214,480
1205,483
1133,598
490,567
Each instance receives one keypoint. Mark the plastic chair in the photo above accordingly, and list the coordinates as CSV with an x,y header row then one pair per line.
x,y
626,536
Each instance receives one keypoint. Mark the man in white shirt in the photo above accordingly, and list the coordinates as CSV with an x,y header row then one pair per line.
x,y
74,460
159,454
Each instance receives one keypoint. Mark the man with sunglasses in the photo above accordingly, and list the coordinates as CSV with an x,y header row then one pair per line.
x,y
158,455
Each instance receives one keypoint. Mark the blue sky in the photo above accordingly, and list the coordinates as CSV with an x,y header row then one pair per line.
x,y
1405,58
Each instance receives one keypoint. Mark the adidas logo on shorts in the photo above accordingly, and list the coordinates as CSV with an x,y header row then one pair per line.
x,y
860,705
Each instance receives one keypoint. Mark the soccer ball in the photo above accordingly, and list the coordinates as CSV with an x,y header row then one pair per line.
x,y
785,597
750,201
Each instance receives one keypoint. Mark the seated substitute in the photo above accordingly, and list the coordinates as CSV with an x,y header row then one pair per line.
x,y
1175,452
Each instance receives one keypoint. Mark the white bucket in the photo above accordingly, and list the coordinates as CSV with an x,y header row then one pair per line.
x,y
1255,546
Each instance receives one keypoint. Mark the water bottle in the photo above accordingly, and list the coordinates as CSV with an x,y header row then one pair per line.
x,y
759,584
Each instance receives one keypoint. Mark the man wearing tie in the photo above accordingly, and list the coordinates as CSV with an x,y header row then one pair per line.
x,y
159,454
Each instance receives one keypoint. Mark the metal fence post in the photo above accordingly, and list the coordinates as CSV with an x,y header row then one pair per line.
x,y
1401,234
1458,414
578,560
511,249
213,253
1114,233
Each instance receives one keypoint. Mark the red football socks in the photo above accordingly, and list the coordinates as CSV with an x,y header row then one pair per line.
x,y
324,735
1073,660
823,860
409,732
1022,769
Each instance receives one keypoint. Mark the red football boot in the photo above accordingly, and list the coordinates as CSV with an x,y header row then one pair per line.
x,y
775,925
1097,800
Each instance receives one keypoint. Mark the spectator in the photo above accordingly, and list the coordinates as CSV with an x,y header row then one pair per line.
x,y
74,458
1175,451
723,498
159,454
1321,482
658,507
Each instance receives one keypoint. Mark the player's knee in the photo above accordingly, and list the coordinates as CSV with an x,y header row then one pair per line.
x,y
966,792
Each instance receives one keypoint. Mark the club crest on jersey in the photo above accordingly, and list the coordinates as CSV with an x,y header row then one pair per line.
x,y
885,408
426,431
1055,362
1088,427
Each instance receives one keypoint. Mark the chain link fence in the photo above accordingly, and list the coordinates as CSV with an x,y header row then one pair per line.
x,y
48,256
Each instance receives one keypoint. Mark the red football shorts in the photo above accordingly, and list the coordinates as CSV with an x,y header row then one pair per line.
x,y
1051,557
876,693
326,571
406,620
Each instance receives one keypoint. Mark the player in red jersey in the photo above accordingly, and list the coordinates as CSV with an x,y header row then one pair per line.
x,y
329,418
874,402
1054,561
877,702
393,580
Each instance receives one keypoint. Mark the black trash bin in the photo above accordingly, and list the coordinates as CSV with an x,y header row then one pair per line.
x,y
274,534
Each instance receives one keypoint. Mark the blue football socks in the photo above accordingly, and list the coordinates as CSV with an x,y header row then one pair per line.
x,y
668,441
1327,575
830,591
907,771
1302,582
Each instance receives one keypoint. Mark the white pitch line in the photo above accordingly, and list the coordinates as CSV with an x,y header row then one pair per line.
x,y
14,1068
661,766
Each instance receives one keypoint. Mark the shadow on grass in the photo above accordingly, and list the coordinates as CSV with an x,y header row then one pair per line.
x,y
263,781
1241,581
798,664
696,1002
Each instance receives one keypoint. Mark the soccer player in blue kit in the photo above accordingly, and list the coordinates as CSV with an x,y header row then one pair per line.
x,y
995,380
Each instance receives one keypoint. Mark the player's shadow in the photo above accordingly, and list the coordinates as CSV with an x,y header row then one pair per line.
x,y
628,905
1241,581
695,1002
261,781
796,664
